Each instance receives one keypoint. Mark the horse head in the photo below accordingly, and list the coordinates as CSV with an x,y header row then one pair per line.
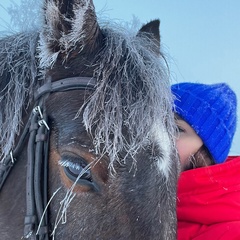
x,y
102,99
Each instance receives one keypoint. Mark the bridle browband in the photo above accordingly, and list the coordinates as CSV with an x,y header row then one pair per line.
x,y
36,131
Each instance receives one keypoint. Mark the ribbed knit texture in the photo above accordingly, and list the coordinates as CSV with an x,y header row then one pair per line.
x,y
211,111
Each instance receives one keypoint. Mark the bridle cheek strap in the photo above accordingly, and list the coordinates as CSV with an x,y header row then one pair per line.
x,y
36,225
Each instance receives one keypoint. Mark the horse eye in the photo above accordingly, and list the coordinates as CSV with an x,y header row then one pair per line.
x,y
76,170
73,172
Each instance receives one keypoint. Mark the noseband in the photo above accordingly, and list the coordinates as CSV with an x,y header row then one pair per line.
x,y
36,131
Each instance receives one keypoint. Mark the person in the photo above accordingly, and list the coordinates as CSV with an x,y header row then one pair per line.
x,y
208,200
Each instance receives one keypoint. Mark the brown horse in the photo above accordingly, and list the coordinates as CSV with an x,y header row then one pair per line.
x,y
86,131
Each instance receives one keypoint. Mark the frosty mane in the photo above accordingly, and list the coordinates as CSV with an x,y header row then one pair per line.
x,y
133,93
18,72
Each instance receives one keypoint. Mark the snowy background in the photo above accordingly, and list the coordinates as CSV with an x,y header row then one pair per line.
x,y
201,38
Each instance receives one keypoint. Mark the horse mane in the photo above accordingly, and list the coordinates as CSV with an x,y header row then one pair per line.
x,y
132,92
18,71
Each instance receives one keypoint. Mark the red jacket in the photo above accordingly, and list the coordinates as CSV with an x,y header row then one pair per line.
x,y
208,204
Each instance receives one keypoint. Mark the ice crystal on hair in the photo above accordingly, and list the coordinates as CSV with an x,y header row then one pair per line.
x,y
69,164
17,58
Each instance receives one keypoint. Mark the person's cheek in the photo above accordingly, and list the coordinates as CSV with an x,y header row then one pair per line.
x,y
183,151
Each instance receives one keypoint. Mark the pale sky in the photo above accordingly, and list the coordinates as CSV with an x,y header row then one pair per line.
x,y
200,37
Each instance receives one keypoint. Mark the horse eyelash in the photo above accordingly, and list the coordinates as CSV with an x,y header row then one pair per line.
x,y
66,163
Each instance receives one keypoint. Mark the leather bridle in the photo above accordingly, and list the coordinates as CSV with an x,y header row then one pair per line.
x,y
36,131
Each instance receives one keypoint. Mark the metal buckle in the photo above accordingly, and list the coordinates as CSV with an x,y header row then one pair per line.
x,y
43,122
37,110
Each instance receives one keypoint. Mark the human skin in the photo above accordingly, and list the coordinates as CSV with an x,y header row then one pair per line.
x,y
188,142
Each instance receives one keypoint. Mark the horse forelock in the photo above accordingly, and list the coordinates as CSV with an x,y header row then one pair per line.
x,y
133,92
18,72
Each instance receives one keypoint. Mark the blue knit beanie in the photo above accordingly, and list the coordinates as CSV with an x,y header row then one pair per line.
x,y
211,111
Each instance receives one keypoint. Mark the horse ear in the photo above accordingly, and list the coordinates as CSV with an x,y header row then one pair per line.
x,y
151,29
69,25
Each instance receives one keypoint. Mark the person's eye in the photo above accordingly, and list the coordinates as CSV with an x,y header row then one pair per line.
x,y
180,129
